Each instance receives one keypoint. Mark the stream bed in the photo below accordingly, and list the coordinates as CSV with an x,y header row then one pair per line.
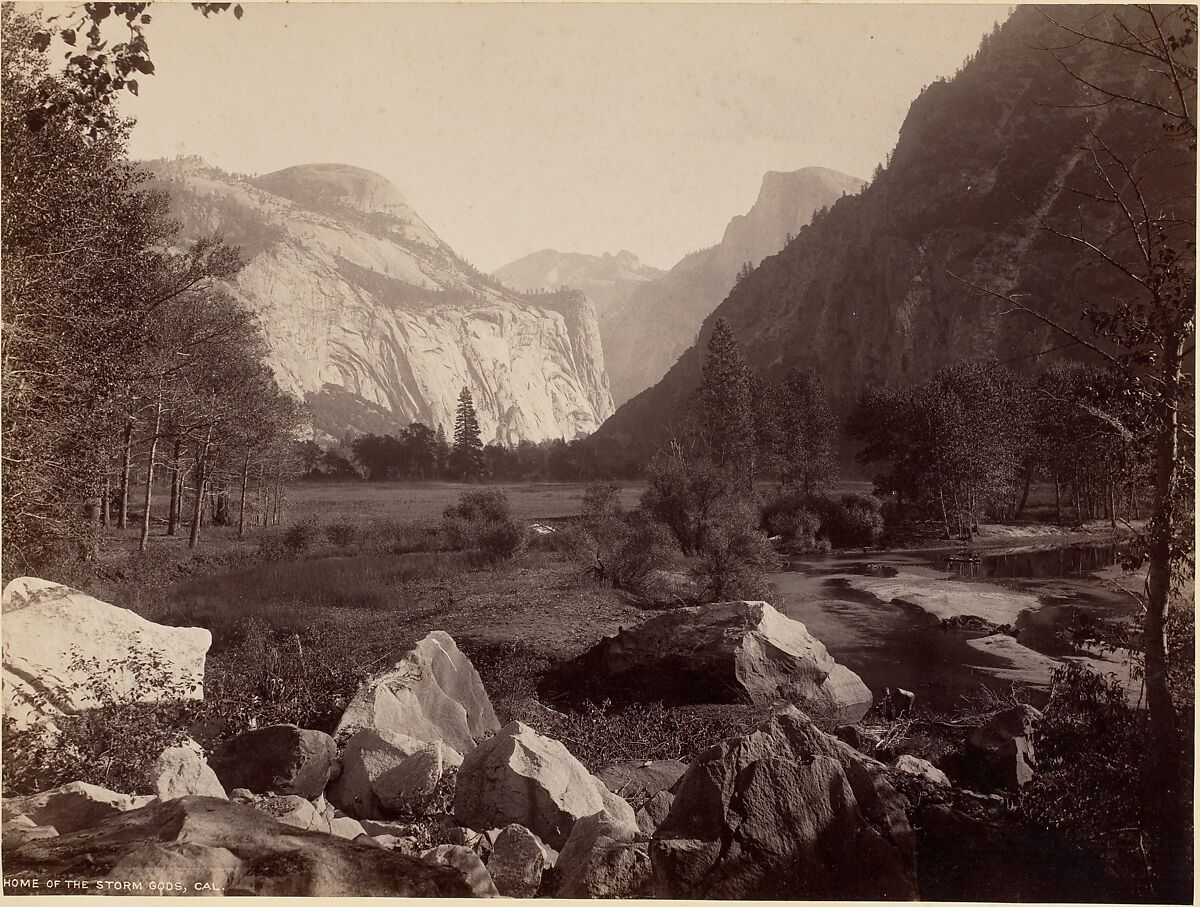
x,y
880,614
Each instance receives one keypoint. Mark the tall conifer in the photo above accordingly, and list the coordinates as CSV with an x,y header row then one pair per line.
x,y
467,458
726,416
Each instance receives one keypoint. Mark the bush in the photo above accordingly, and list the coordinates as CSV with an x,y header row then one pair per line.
x,y
818,522
341,533
682,494
602,501
300,537
623,553
483,519
403,536
734,557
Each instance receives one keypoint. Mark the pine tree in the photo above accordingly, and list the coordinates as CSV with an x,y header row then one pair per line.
x,y
808,432
467,459
726,417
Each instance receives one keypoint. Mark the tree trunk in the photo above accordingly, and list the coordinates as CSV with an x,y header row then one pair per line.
x,y
1078,503
1171,850
176,489
242,503
126,469
945,516
1112,503
201,478
148,499
1057,500
106,500
1024,493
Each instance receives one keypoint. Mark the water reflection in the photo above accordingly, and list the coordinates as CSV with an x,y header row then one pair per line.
x,y
1051,563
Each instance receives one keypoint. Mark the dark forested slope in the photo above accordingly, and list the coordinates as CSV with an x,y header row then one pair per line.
x,y
866,295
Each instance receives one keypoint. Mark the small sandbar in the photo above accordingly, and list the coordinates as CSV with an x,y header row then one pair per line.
x,y
1025,666
945,598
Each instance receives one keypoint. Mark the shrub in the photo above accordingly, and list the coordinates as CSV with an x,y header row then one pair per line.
x,y
682,494
734,557
796,524
817,521
341,533
483,519
403,536
602,501
623,553
856,522
300,537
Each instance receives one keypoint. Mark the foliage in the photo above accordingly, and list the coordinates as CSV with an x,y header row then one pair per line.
x,y
115,743
602,501
624,553
734,556
682,493
818,521
725,419
300,537
466,457
483,519
808,432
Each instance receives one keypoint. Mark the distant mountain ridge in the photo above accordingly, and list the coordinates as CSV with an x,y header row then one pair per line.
x,y
376,322
867,295
607,279
659,320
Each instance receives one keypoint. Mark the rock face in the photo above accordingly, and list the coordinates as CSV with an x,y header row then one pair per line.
x,y
250,851
376,322
1005,744
182,771
646,332
921,768
517,862
520,776
865,296
283,759
71,807
784,812
432,693
63,647
639,780
725,652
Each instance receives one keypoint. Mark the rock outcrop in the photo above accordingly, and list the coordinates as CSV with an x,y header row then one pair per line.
x,y
517,862
65,651
520,776
71,807
608,280
725,652
641,779
282,759
248,852
376,322
1005,745
368,756
784,812
601,860
182,771
432,693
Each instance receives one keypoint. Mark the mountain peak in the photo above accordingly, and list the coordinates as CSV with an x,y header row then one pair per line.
x,y
326,187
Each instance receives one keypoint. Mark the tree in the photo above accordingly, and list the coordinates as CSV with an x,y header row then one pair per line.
x,y
467,458
808,436
725,417
1128,63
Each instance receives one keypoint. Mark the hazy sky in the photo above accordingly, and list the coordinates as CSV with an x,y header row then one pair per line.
x,y
515,127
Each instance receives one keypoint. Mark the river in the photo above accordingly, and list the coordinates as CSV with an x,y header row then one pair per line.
x,y
880,614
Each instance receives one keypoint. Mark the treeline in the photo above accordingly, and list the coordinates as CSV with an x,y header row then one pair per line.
x,y
969,443
125,363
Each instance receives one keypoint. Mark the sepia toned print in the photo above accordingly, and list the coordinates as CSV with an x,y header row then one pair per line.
x,y
675,451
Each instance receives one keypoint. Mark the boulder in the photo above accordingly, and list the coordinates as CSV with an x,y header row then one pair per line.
x,y
294,811
64,651
654,812
432,693
369,755
281,759
517,862
1005,745
345,827
638,780
182,771
20,829
785,812
921,768
601,860
189,869
741,651
276,859
468,863
72,807
415,778
520,776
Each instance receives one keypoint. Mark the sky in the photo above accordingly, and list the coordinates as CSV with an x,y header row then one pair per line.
x,y
513,127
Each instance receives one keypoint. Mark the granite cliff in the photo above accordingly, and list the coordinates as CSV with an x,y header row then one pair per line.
x,y
376,322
